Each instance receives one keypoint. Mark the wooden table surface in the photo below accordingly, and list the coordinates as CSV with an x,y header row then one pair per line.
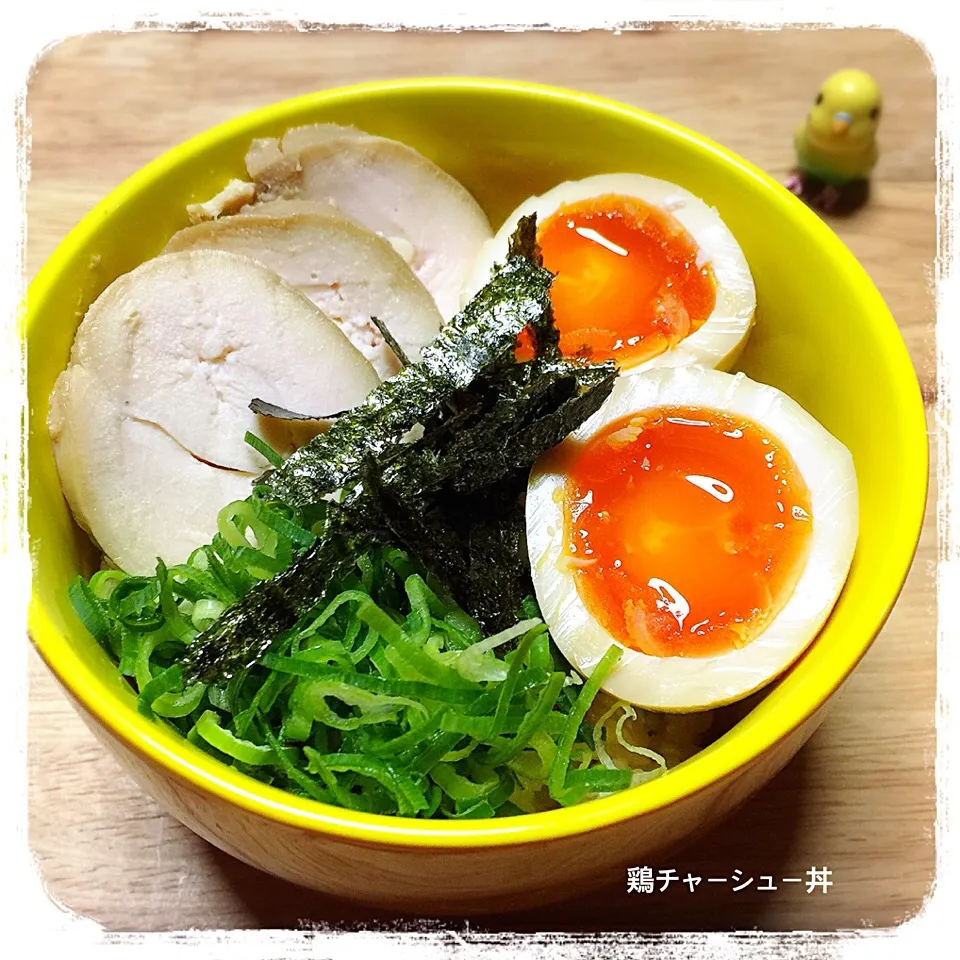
x,y
859,798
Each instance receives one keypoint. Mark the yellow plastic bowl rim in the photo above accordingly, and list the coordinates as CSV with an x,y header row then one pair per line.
x,y
777,716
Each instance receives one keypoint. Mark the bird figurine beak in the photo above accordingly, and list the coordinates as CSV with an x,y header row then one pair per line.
x,y
841,123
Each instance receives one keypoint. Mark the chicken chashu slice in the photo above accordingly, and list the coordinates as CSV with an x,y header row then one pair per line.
x,y
348,272
149,417
283,206
387,187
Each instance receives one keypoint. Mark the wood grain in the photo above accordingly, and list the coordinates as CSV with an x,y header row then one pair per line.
x,y
860,797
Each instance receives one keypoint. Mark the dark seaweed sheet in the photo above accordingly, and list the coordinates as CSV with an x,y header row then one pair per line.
x,y
391,340
478,340
435,460
263,408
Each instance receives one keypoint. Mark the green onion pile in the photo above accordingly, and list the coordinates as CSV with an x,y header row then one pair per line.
x,y
385,698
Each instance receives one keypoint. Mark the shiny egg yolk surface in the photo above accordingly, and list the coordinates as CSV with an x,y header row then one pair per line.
x,y
628,286
686,529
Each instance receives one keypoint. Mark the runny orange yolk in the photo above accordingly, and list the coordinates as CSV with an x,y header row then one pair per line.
x,y
628,286
686,529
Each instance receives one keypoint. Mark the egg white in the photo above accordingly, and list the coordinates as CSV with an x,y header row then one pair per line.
x,y
687,684
720,340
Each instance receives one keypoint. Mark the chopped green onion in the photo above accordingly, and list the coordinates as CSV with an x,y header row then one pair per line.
x,y
477,661
168,680
264,449
506,750
384,698
175,705
561,763
208,727
88,610
408,797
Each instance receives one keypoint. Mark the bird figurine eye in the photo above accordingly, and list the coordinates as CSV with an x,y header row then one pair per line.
x,y
819,99
875,113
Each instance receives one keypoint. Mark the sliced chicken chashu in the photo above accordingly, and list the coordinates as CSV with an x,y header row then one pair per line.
x,y
387,187
148,420
284,206
347,271
234,196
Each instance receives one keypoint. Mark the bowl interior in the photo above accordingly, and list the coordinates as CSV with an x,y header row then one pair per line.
x,y
823,335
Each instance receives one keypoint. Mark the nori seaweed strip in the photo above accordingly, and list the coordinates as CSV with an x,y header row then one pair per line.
x,y
519,448
423,529
247,628
498,579
470,543
263,408
478,339
485,417
445,503
523,241
391,341
501,441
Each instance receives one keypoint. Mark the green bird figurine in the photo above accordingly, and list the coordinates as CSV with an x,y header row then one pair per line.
x,y
836,142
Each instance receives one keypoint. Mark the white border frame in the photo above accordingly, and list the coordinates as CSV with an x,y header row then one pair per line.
x,y
30,916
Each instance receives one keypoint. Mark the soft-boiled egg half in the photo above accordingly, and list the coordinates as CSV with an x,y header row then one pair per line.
x,y
703,522
647,273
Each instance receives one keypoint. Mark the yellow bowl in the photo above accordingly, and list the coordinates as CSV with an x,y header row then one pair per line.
x,y
823,335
